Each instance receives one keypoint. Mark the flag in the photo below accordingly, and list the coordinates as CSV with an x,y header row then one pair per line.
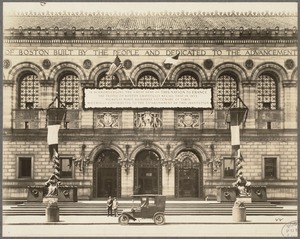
x,y
237,116
55,117
235,132
52,138
172,60
114,67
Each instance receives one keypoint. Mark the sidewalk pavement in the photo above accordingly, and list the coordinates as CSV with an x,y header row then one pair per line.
x,y
102,220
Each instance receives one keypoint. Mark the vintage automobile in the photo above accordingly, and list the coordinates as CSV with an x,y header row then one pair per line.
x,y
145,206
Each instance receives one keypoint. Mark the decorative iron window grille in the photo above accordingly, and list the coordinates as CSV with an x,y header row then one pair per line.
x,y
148,81
108,159
187,81
69,91
187,163
148,159
29,92
105,81
226,91
266,93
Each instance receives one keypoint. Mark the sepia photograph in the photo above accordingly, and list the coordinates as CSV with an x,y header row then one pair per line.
x,y
150,119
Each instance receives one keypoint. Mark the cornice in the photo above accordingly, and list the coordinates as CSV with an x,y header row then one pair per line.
x,y
147,14
190,40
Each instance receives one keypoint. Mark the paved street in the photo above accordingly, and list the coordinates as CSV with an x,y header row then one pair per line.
x,y
184,226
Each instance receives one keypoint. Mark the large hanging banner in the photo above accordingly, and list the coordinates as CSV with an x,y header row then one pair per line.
x,y
148,98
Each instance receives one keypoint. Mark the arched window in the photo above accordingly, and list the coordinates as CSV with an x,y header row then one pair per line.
x,y
226,91
266,92
105,81
29,91
148,79
187,80
69,91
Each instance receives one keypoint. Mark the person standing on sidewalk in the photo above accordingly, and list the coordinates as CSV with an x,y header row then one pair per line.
x,y
109,206
115,206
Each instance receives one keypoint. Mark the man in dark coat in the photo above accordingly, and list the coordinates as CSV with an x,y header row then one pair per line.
x,y
109,206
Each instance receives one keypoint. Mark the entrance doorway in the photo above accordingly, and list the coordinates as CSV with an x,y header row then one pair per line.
x,y
189,175
107,175
147,173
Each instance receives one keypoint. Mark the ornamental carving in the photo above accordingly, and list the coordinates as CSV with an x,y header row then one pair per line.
x,y
127,64
87,64
289,64
107,120
188,120
249,64
208,64
46,64
6,64
148,120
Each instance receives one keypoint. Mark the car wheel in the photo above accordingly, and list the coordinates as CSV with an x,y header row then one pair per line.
x,y
123,219
159,219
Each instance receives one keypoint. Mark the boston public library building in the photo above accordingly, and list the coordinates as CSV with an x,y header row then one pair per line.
x,y
180,152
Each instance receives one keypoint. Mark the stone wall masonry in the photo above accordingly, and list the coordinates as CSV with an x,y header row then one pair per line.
x,y
14,193
87,119
127,183
168,119
253,152
127,119
168,182
282,193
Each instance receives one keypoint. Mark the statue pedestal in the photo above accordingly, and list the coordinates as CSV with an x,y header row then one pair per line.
x,y
239,214
52,213
245,199
50,200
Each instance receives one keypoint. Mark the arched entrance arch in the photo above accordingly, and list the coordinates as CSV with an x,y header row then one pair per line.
x,y
147,172
106,174
189,174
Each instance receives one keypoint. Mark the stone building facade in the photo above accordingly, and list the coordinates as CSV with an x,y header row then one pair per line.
x,y
150,150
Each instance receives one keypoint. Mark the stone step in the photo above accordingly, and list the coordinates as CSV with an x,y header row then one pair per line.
x,y
168,205
212,213
172,208
168,211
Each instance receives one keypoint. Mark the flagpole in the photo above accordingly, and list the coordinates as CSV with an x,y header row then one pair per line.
x,y
167,75
131,81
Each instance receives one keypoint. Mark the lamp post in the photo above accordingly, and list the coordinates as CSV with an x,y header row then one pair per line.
x,y
214,163
168,163
126,163
83,161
